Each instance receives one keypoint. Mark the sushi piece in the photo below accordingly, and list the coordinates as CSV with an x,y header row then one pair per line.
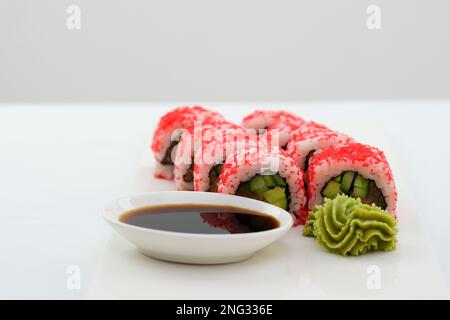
x,y
280,134
208,162
267,175
266,119
305,143
309,127
354,169
167,134
190,143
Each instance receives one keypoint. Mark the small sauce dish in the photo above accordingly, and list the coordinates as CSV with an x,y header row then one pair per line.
x,y
195,247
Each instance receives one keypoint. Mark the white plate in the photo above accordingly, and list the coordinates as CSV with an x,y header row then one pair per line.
x,y
294,267
192,247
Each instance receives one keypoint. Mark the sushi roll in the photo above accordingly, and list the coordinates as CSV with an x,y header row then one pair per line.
x,y
280,134
208,161
266,119
354,169
269,175
190,143
166,136
310,126
305,143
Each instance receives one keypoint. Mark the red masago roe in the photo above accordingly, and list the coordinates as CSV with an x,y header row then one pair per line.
x,y
365,160
306,142
282,133
170,128
215,152
193,142
243,165
265,119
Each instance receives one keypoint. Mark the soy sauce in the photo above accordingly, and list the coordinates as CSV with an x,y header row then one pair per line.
x,y
188,218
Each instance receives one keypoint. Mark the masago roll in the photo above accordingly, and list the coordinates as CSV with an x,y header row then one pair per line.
x,y
168,132
192,142
354,169
269,175
304,143
281,134
265,119
209,160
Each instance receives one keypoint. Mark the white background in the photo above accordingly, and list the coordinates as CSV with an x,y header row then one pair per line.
x,y
253,50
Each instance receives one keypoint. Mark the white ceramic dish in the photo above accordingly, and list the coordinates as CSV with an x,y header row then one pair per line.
x,y
189,247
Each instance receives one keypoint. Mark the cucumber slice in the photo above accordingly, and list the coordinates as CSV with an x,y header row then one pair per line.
x,y
331,190
257,185
347,180
338,179
279,180
361,182
282,203
273,195
361,187
270,181
218,169
359,193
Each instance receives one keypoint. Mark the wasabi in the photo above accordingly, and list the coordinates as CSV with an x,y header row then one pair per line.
x,y
346,226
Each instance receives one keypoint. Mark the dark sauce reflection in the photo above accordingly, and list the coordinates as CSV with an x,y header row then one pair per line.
x,y
190,219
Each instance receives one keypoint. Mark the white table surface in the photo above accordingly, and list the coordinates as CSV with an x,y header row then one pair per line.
x,y
60,163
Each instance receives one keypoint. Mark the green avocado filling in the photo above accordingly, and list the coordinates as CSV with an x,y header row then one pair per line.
x,y
356,186
269,188
346,226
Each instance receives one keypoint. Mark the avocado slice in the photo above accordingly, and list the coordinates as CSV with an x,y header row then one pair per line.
x,y
331,190
347,180
257,185
279,180
274,195
270,181
361,182
361,187
359,193
338,178
282,203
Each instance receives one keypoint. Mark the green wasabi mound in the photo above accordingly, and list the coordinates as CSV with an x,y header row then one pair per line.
x,y
346,226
